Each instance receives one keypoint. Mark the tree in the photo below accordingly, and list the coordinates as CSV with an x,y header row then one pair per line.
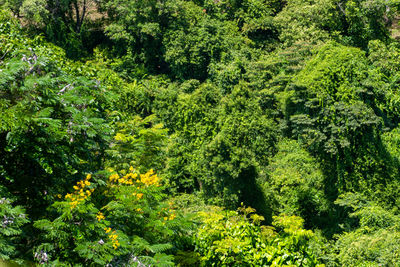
x,y
334,114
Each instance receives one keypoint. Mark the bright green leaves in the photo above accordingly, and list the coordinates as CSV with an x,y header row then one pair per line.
x,y
185,37
253,101
335,74
204,40
229,238
76,235
138,142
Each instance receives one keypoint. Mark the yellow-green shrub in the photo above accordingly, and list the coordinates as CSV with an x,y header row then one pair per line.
x,y
237,238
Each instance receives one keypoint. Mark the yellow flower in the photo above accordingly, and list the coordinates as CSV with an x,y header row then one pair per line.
x,y
131,168
100,216
114,177
88,176
139,196
149,179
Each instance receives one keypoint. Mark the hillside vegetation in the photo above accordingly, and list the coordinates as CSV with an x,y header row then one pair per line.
x,y
199,132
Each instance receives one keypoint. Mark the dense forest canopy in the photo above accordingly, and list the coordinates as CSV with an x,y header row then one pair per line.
x,y
200,132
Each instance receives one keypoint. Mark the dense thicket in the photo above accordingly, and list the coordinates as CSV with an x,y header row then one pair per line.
x,y
199,132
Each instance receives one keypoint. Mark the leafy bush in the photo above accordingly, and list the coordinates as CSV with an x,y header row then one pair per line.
x,y
374,240
116,218
231,238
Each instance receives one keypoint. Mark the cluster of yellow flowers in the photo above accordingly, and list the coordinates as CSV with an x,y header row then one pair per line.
x,y
80,193
100,216
113,236
147,179
138,195
127,179
150,178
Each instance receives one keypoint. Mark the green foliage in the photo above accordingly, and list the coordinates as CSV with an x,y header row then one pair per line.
x,y
295,185
353,22
35,11
225,140
334,74
361,248
137,27
229,238
333,111
52,125
12,220
193,119
311,21
190,49
384,58
366,20
281,105
119,218
374,241
138,142
75,237
244,140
